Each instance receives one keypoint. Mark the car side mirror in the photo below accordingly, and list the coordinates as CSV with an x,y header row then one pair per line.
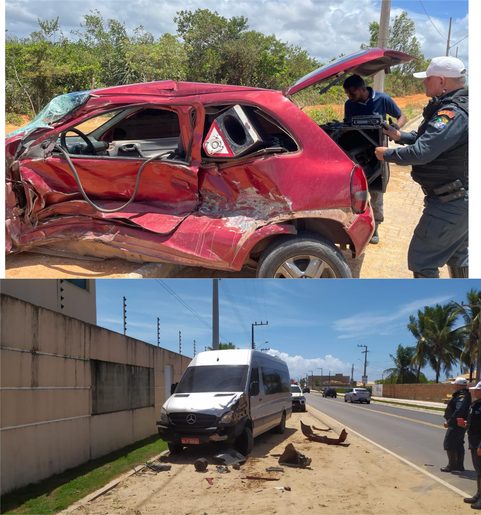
x,y
173,387
254,388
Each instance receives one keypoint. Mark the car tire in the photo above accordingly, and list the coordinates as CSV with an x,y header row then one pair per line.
x,y
245,442
304,409
304,256
368,402
282,425
345,399
174,448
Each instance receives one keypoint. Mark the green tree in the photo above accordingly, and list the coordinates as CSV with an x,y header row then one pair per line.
x,y
402,371
421,350
470,313
224,346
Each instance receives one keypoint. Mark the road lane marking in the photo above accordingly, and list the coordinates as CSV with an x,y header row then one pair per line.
x,y
404,460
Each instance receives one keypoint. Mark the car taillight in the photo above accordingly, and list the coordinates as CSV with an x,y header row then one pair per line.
x,y
358,190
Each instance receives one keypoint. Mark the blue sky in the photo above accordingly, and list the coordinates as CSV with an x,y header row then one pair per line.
x,y
312,324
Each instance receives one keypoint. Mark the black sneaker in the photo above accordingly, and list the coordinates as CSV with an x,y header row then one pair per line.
x,y
375,238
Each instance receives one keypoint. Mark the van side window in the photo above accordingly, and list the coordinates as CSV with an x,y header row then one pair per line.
x,y
275,380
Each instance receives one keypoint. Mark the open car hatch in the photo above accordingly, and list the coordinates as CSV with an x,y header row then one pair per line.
x,y
364,63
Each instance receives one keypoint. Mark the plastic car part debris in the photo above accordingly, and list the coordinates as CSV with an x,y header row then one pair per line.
x,y
307,432
158,467
210,480
230,457
293,458
283,488
274,469
200,464
261,478
319,429
222,469
236,466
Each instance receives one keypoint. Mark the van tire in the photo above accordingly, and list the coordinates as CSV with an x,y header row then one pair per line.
x,y
279,429
245,442
300,250
175,448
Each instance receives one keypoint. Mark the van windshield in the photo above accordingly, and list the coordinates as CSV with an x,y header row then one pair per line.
x,y
213,378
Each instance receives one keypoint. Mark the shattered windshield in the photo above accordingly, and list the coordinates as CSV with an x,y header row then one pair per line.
x,y
213,378
55,110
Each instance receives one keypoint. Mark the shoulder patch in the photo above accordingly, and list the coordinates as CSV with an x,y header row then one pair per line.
x,y
446,112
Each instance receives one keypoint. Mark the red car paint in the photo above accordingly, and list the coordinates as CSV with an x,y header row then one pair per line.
x,y
216,213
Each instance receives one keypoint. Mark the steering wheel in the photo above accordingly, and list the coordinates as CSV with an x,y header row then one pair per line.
x,y
63,142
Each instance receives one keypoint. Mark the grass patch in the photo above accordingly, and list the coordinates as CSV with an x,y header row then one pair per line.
x,y
60,491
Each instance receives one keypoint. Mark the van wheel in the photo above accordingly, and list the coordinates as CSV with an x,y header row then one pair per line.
x,y
245,442
174,448
306,256
282,425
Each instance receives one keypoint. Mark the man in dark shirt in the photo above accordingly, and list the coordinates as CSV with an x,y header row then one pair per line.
x,y
458,407
474,439
438,154
364,101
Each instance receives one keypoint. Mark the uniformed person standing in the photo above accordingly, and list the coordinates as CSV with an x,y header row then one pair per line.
x,y
474,439
457,407
438,153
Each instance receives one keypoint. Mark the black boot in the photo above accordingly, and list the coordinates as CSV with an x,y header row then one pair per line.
x,y
477,496
375,237
476,505
451,463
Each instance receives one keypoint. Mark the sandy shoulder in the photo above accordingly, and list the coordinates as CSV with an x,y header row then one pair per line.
x,y
359,479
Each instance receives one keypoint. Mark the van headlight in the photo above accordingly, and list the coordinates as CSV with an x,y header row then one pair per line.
x,y
227,418
164,418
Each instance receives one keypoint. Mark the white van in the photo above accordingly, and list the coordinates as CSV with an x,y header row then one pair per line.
x,y
227,396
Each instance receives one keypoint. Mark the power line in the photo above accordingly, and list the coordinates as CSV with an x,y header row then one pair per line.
x,y
429,17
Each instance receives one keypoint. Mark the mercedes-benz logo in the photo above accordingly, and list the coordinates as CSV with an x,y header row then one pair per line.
x,y
191,418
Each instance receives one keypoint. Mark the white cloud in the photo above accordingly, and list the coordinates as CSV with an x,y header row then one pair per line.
x,y
300,366
380,323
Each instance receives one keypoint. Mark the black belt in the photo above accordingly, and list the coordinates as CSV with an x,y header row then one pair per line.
x,y
447,192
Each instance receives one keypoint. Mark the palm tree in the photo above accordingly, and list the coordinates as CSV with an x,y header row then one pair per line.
x,y
470,312
402,371
421,351
443,339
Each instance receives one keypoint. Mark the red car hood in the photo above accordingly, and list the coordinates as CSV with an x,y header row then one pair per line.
x,y
364,63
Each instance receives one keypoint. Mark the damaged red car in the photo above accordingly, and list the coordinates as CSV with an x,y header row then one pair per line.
x,y
217,176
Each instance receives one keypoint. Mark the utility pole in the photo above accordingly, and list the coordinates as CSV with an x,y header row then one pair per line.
x,y
124,311
365,351
158,332
253,345
215,314
194,348
352,374
449,37
180,342
382,40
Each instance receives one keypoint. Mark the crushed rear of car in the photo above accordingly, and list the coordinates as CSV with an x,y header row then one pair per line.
x,y
207,175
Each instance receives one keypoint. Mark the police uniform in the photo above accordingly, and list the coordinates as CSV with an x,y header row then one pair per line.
x,y
438,153
474,440
457,407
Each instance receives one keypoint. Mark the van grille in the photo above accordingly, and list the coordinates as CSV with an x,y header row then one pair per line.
x,y
179,420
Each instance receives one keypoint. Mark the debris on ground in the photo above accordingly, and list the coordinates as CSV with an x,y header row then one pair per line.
x,y
209,480
230,457
261,478
283,488
319,429
308,432
158,467
200,464
222,469
236,466
274,469
293,458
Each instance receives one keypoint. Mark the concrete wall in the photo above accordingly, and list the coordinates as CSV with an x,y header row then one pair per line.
x,y
58,295
46,424
420,392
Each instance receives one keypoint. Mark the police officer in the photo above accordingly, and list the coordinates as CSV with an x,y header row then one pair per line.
x,y
458,407
438,153
474,439
363,101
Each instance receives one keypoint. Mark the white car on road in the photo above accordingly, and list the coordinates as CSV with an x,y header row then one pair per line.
x,y
358,395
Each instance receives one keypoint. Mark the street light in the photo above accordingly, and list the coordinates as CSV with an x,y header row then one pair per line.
x,y
320,368
365,351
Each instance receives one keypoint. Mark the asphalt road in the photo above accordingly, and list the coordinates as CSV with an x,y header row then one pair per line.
x,y
414,435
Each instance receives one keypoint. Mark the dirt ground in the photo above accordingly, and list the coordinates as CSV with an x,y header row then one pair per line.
x,y
359,479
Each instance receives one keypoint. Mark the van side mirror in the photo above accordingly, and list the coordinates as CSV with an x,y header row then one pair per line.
x,y
173,387
254,388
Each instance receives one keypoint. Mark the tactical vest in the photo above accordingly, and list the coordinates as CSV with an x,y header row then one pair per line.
x,y
452,164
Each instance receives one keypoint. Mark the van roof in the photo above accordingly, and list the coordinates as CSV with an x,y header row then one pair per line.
x,y
230,357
